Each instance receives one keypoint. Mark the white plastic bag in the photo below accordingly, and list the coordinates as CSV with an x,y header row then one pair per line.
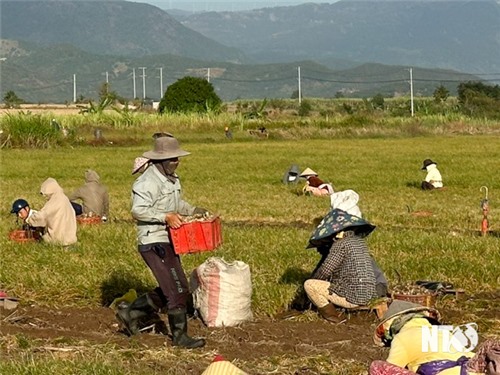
x,y
222,292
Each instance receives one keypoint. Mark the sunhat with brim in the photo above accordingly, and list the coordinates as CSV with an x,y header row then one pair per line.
x,y
139,162
165,148
308,172
398,308
335,222
427,162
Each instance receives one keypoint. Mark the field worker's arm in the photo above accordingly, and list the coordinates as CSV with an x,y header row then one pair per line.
x,y
398,355
77,194
142,205
185,208
332,261
37,218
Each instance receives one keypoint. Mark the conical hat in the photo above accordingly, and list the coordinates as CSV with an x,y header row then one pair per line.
x,y
308,172
398,308
335,222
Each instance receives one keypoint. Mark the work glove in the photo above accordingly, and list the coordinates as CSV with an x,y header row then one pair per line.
x,y
201,211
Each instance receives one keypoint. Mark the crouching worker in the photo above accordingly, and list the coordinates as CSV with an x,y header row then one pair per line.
x,y
56,216
344,277
93,195
157,205
402,328
22,209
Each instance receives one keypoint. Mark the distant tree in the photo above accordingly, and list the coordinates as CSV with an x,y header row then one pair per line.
x,y
190,94
479,99
441,94
305,108
378,101
105,92
11,100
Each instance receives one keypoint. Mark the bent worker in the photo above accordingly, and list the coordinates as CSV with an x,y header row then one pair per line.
x,y
314,185
57,216
93,195
402,328
157,205
344,276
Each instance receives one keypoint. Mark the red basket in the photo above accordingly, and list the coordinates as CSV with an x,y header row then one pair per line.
x,y
88,219
21,235
197,236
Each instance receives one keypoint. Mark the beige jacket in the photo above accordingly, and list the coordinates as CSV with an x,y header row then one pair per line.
x,y
57,215
94,195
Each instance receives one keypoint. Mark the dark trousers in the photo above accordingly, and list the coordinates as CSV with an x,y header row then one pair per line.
x,y
167,269
427,185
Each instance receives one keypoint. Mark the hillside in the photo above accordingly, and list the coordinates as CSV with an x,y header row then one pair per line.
x,y
455,34
46,75
117,27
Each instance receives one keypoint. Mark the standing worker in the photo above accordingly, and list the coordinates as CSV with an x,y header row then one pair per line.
x,y
157,205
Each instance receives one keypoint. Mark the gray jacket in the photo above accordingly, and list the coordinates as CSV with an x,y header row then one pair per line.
x,y
153,196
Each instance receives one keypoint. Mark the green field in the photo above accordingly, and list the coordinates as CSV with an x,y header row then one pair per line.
x,y
265,223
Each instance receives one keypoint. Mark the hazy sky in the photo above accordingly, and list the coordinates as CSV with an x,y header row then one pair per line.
x,y
219,5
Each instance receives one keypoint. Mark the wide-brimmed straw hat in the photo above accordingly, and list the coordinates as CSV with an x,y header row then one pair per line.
x,y
427,162
398,308
165,148
336,221
139,162
308,172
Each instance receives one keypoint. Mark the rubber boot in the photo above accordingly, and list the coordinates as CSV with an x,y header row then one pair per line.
x,y
177,320
130,317
329,313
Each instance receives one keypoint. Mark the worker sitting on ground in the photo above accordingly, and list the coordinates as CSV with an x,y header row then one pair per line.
x,y
433,179
344,276
94,197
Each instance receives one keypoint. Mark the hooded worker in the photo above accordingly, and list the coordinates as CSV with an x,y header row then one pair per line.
x,y
56,216
94,197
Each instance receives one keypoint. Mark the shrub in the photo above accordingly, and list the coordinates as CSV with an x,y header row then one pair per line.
x,y
27,130
190,94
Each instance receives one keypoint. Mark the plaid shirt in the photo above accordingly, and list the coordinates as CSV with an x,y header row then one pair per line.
x,y
349,270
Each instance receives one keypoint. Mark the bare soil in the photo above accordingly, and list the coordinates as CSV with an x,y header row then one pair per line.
x,y
297,336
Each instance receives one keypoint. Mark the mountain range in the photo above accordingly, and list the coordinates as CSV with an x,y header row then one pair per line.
x,y
356,48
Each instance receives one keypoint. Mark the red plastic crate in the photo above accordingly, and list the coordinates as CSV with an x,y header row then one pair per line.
x,y
197,236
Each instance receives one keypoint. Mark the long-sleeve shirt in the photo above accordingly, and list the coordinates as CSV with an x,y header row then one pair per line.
x,y
94,195
57,216
434,176
348,268
406,348
153,196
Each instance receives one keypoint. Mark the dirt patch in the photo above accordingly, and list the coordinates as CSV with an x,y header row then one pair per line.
x,y
251,341
263,340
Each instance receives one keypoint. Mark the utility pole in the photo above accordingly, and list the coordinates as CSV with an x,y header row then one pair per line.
x,y
107,78
208,75
143,82
74,88
411,93
161,83
133,78
300,90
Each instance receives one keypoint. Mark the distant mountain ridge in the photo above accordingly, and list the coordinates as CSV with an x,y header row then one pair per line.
x,y
454,34
115,27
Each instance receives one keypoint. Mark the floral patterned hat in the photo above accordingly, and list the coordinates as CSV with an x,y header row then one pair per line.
x,y
335,222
